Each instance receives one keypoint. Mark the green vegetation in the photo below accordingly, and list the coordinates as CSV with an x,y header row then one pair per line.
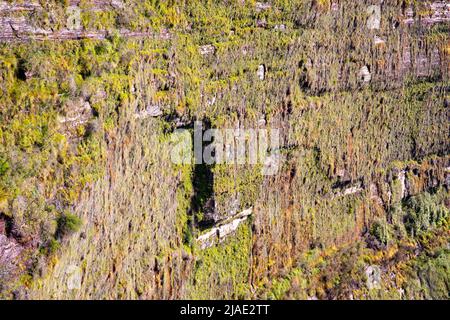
x,y
425,211
223,271
340,272
72,150
67,224
381,232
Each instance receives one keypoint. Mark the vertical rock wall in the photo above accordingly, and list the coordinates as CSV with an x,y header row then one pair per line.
x,y
359,91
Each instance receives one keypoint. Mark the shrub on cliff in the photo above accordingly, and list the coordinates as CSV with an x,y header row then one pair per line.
x,y
424,211
68,224
381,231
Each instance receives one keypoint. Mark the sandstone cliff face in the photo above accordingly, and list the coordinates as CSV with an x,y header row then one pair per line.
x,y
358,90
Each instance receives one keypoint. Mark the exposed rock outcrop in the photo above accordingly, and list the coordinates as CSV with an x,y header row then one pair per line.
x,y
222,230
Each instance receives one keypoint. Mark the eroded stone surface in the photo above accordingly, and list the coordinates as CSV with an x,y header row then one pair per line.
x,y
261,72
373,274
150,111
10,252
219,233
374,20
207,49
439,12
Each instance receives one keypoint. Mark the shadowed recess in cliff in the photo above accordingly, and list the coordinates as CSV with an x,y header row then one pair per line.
x,y
203,202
